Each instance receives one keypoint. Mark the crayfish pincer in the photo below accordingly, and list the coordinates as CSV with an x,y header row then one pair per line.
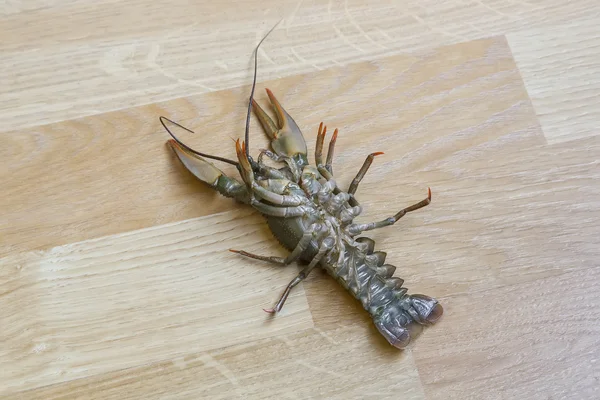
x,y
314,219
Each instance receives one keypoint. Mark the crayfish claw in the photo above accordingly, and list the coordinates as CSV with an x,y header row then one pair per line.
x,y
245,167
286,138
267,123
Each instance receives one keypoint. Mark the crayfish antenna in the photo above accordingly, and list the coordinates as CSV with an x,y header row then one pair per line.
x,y
188,148
247,133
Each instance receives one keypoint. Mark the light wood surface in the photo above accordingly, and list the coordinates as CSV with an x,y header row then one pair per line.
x,y
115,279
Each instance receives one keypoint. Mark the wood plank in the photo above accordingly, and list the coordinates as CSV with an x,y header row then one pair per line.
x,y
560,68
403,103
506,244
111,173
136,298
107,55
533,340
510,243
300,365
108,174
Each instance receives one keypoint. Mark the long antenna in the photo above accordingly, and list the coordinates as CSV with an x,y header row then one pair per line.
x,y
189,148
247,135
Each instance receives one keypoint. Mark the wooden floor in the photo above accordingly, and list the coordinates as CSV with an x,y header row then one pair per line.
x,y
115,277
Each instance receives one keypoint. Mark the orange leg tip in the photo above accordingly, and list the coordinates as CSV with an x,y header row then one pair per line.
x,y
270,94
240,147
335,133
429,193
173,145
378,153
234,251
270,310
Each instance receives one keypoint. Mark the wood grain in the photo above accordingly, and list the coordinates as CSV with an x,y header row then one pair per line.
x,y
99,185
301,365
564,88
141,298
118,302
535,339
93,57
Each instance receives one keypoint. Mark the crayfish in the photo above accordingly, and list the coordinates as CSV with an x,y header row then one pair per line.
x,y
314,219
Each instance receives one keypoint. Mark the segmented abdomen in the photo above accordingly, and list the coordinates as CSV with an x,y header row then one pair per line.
x,y
370,280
